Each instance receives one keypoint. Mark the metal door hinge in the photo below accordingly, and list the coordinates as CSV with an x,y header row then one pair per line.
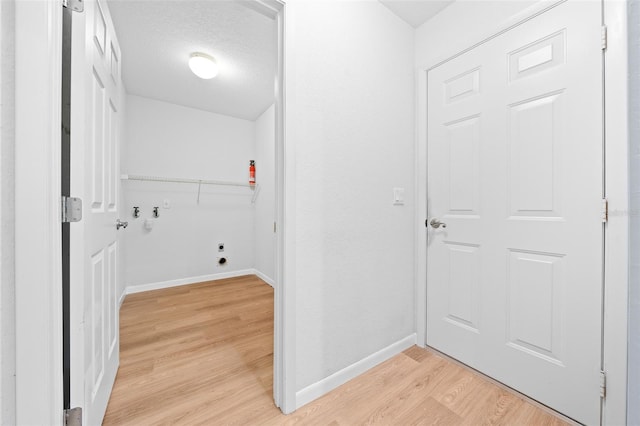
x,y
75,5
603,384
605,210
274,227
71,209
73,417
604,37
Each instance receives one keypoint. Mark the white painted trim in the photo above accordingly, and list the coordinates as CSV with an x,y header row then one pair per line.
x,y
341,377
122,296
131,289
617,229
265,278
140,288
38,258
268,8
421,215
284,354
617,175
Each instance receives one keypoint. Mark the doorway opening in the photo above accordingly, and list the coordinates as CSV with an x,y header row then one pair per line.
x,y
179,178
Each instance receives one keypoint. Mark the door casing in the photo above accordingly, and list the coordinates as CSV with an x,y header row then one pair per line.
x,y
38,257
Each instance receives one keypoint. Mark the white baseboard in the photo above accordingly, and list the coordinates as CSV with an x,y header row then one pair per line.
x,y
122,296
264,278
131,289
327,384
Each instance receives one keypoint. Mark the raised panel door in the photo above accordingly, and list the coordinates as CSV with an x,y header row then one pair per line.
x,y
515,172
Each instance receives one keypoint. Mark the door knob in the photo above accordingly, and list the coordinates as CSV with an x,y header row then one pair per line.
x,y
435,223
120,224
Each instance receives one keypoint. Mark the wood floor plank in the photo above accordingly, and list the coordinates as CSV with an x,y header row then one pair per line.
x,y
203,355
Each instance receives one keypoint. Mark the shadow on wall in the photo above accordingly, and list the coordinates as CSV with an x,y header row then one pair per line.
x,y
634,184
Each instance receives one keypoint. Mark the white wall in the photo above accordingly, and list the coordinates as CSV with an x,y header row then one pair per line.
x,y
634,161
349,100
7,231
265,202
163,139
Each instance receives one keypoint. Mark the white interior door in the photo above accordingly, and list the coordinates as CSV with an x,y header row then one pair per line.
x,y
95,123
515,172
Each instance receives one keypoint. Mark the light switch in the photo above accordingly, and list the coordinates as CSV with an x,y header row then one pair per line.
x,y
398,196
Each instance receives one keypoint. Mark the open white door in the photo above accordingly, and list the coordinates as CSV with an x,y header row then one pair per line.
x,y
515,172
96,97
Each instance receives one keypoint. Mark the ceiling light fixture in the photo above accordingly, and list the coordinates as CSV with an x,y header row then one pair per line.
x,y
202,65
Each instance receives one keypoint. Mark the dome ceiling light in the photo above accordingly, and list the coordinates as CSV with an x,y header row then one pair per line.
x,y
203,65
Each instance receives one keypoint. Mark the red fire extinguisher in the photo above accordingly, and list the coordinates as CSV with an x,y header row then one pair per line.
x,y
252,172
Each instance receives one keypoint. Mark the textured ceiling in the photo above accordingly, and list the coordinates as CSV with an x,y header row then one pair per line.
x,y
157,37
416,12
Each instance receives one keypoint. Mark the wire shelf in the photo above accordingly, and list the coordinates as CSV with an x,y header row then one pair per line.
x,y
198,182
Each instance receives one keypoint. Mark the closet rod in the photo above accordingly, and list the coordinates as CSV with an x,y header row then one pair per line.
x,y
181,180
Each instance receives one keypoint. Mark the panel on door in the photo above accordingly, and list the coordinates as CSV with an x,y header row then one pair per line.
x,y
515,172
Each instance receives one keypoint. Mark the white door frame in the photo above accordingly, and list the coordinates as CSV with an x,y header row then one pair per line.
x,y
38,258
284,371
616,187
38,254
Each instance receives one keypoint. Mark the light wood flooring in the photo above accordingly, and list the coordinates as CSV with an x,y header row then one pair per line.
x,y
203,354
